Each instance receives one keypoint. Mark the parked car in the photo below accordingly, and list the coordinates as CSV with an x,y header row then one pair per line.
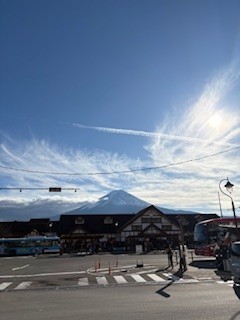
x,y
235,261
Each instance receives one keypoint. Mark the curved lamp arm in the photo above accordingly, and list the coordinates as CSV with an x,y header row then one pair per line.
x,y
229,185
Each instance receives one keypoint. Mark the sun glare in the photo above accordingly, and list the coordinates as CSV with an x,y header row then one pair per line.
x,y
215,121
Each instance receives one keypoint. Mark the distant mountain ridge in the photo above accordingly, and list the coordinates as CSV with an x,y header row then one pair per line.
x,y
115,202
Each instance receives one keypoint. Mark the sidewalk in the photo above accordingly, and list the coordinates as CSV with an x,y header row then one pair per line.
x,y
200,269
205,270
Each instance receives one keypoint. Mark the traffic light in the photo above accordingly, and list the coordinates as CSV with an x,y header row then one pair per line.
x,y
55,189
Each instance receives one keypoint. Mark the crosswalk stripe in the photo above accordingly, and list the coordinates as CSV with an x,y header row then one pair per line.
x,y
23,285
138,278
102,280
120,279
83,282
229,282
4,285
172,277
155,277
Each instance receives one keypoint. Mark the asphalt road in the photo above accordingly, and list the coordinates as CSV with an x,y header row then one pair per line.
x,y
53,271
198,301
64,263
54,264
83,287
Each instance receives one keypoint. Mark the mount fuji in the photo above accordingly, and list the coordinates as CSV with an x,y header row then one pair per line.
x,y
117,201
120,202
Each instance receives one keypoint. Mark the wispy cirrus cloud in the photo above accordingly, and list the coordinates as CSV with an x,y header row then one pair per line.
x,y
41,164
206,120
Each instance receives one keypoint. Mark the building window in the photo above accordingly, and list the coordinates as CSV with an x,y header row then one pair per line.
x,y
167,227
151,220
137,227
108,220
79,220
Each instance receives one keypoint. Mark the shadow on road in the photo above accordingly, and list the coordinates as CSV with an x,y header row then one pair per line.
x,y
224,275
236,289
236,316
211,264
204,264
162,292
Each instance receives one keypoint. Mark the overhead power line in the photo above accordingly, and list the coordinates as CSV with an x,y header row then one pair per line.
x,y
121,171
50,189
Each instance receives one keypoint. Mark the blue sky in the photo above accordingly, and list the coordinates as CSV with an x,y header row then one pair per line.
x,y
114,87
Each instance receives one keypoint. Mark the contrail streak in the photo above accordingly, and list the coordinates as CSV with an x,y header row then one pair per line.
x,y
147,134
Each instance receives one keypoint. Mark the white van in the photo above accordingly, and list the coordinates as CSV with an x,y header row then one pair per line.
x,y
235,261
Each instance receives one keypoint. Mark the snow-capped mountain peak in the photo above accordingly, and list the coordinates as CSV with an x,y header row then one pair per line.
x,y
120,197
117,201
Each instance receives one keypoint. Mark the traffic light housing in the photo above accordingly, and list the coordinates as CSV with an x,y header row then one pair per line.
x,y
55,189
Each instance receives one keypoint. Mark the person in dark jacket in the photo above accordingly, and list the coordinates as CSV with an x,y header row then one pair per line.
x,y
170,256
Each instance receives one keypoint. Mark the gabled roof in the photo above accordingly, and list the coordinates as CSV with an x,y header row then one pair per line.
x,y
142,212
160,231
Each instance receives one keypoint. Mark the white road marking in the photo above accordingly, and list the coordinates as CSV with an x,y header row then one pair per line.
x,y
138,278
83,282
120,279
20,268
102,280
19,257
40,274
172,277
188,281
4,285
229,282
23,285
155,277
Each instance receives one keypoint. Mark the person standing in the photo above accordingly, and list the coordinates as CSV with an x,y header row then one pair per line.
x,y
170,257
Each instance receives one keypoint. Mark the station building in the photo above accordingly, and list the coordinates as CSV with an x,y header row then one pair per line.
x,y
149,229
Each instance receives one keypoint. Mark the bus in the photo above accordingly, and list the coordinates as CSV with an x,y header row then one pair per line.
x,y
209,234
29,245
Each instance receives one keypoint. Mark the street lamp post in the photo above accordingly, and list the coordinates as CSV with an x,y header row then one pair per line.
x,y
220,206
229,187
